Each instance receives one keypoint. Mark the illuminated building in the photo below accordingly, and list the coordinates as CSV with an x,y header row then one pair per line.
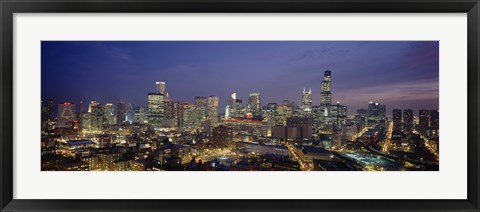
x,y
296,128
180,113
68,133
348,131
289,104
307,101
263,149
239,104
362,112
213,110
397,121
269,112
170,108
96,118
121,112
360,122
156,105
171,113
233,104
227,111
141,114
50,109
73,166
317,117
326,94
239,109
376,117
108,113
44,113
423,121
222,136
338,115
75,148
139,165
310,153
434,124
80,110
361,119
103,162
303,127
254,105
192,117
160,86
201,104
130,112
434,119
376,111
408,121
156,108
247,126
66,114
283,113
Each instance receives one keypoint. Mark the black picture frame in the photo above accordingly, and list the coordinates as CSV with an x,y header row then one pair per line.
x,y
9,7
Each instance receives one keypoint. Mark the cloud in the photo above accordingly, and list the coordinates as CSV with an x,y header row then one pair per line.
x,y
115,53
405,91
313,54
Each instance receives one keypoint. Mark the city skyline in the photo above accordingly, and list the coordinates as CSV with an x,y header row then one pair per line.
x,y
412,85
240,106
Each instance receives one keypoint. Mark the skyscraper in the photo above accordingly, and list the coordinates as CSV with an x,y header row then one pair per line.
x,y
160,87
254,104
121,112
423,121
434,119
408,121
156,110
201,104
338,114
307,101
109,115
170,109
180,111
238,105
80,109
170,112
50,109
130,112
95,118
326,94
156,105
66,114
192,118
227,111
233,103
376,111
213,110
397,121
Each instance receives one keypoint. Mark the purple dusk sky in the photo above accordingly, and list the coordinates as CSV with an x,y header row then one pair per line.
x,y
400,74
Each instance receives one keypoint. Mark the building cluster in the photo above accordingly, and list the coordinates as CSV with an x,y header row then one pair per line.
x,y
177,135
427,125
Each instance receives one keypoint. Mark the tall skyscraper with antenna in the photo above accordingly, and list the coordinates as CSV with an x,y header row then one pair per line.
x,y
326,93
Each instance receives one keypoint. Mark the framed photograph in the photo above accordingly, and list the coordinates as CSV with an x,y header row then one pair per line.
x,y
239,105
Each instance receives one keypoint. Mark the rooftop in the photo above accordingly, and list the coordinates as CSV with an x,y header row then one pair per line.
x,y
80,142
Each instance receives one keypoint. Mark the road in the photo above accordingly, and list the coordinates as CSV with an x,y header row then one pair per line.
x,y
432,148
359,134
304,166
388,138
